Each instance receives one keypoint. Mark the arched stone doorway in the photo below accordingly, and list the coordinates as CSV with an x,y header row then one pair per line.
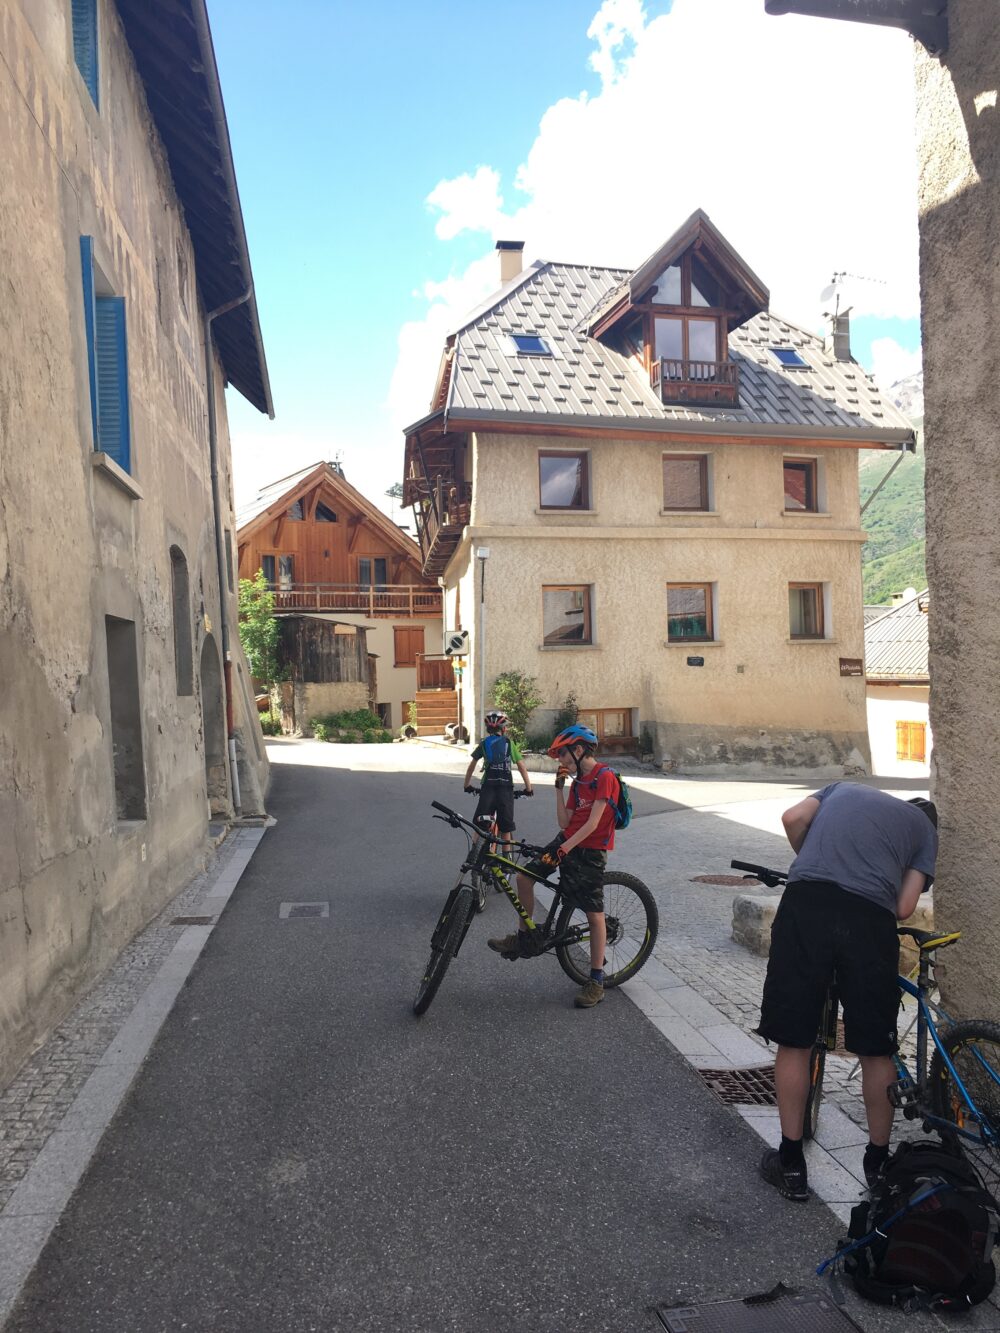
x,y
213,715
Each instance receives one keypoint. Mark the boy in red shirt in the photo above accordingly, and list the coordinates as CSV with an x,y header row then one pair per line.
x,y
587,821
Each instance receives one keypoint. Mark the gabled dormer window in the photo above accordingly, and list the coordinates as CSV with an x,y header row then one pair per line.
x,y
686,327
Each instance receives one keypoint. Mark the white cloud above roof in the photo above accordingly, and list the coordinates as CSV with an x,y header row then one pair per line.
x,y
795,135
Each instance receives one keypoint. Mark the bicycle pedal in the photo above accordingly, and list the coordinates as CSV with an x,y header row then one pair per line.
x,y
903,1094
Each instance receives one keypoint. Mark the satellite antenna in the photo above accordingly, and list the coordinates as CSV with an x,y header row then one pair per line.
x,y
833,290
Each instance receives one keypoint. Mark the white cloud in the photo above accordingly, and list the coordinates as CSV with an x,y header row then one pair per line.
x,y
891,362
795,135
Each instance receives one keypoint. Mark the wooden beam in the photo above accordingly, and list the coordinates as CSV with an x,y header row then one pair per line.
x,y
354,524
486,427
279,527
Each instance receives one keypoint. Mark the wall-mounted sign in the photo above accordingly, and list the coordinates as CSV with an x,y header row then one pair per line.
x,y
852,666
696,661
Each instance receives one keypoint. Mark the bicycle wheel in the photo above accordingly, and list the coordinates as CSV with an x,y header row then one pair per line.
x,y
479,884
974,1049
817,1067
632,920
449,935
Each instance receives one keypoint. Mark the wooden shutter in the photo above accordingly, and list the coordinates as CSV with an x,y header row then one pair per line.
x,y
85,42
911,741
112,379
408,641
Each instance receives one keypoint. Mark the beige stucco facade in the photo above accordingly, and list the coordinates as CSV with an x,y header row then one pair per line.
x,y
760,699
889,705
396,684
959,162
85,551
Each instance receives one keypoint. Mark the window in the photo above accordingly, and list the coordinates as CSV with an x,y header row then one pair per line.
x,y
267,565
911,741
805,610
689,612
564,481
800,484
685,481
408,640
324,514
566,615
183,664
229,559
85,44
788,356
107,357
608,723
126,722
294,512
372,572
286,572
530,344
676,339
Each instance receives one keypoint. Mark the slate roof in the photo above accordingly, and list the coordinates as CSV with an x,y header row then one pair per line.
x,y
587,379
896,643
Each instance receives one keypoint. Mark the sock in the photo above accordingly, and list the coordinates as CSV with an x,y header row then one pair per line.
x,y
597,974
876,1156
790,1153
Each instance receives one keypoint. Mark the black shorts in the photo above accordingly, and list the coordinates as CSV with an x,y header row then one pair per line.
x,y
496,801
822,933
581,874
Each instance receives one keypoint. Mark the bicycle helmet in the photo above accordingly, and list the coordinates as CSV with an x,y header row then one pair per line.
x,y
928,807
575,735
495,720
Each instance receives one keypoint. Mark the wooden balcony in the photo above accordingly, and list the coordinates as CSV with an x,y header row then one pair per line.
x,y
440,523
396,600
700,383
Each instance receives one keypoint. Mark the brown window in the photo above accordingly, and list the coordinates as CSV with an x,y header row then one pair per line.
x,y
608,723
689,612
566,614
911,741
408,640
800,484
564,481
805,610
685,481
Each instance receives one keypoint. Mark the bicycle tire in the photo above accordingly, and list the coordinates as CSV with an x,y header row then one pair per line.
x,y
479,884
963,1042
633,922
437,965
817,1068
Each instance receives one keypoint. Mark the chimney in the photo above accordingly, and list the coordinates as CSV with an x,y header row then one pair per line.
x,y
511,255
840,336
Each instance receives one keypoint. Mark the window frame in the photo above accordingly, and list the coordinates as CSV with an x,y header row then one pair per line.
x,y
588,615
779,352
543,349
811,467
819,591
709,635
598,714
373,582
584,456
706,503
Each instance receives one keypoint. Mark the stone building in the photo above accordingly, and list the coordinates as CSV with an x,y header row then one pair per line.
x,y
645,485
120,239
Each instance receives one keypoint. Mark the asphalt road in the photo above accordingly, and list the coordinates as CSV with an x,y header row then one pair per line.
x,y
301,1153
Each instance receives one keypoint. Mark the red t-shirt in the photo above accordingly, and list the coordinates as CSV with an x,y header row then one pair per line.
x,y
600,785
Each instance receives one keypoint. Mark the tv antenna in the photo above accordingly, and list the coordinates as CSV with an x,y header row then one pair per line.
x,y
833,290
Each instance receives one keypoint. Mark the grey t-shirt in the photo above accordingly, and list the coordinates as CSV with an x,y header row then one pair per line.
x,y
865,840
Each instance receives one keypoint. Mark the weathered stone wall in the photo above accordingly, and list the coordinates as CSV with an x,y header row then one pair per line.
x,y
958,119
76,547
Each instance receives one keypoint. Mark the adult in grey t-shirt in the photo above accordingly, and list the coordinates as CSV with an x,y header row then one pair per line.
x,y
865,841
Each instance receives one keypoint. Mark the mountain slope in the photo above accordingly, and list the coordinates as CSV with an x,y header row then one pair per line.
x,y
894,557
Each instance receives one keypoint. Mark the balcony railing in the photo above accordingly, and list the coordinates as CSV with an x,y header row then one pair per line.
x,y
701,383
398,599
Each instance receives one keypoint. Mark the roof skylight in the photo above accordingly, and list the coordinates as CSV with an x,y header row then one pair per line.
x,y
788,356
530,344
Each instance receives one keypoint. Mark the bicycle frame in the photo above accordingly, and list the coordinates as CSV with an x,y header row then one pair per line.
x,y
492,864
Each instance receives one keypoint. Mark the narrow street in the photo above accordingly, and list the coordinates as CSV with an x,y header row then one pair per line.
x,y
300,1153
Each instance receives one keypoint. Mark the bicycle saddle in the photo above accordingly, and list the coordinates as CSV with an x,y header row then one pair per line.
x,y
929,939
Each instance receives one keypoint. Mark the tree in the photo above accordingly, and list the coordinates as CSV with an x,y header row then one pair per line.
x,y
259,628
395,493
517,695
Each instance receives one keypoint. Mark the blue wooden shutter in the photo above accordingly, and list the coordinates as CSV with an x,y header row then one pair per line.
x,y
85,43
112,380
87,265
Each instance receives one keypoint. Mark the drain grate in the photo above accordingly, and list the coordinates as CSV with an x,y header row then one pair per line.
x,y
192,920
742,1087
288,911
788,1314
733,881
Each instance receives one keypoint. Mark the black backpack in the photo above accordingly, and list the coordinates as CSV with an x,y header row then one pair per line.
x,y
924,1238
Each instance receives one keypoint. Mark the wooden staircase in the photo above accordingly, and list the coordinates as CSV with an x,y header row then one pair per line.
x,y
435,709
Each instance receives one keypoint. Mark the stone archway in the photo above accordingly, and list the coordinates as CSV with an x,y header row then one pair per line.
x,y
213,715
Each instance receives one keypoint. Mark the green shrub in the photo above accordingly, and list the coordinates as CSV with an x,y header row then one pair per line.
x,y
270,726
539,741
568,715
349,737
368,737
517,695
320,729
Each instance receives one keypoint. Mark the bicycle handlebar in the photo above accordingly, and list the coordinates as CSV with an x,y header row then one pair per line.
x,y
475,791
772,878
457,821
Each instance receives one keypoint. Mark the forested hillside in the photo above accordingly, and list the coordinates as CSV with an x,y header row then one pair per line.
x,y
894,557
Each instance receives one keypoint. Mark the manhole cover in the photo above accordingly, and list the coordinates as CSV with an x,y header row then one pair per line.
x,y
742,1087
289,910
192,920
729,880
787,1314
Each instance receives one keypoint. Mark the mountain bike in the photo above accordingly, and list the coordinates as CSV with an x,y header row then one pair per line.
x,y
958,1092
481,883
630,914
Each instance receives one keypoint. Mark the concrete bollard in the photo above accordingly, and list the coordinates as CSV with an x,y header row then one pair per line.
x,y
753,914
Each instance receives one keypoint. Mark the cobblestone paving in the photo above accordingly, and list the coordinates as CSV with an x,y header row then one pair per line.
x,y
33,1105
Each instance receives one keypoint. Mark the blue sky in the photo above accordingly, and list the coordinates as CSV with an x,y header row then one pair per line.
x,y
346,117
